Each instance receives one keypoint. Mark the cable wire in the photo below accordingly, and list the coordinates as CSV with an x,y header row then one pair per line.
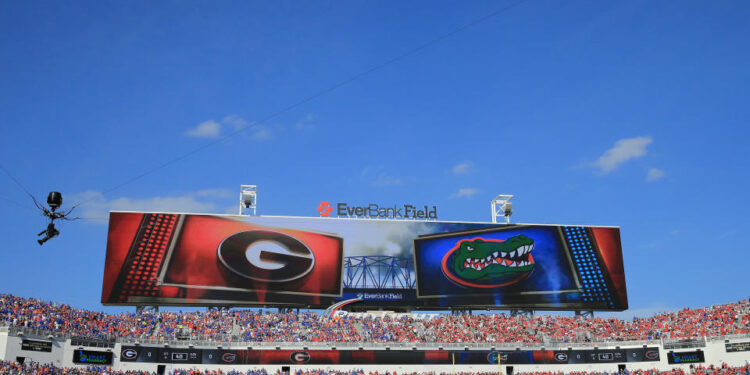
x,y
315,95
16,181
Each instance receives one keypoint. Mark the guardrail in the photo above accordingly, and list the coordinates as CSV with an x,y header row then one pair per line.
x,y
229,341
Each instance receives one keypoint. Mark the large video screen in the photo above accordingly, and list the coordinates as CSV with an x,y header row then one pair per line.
x,y
183,259
546,267
203,260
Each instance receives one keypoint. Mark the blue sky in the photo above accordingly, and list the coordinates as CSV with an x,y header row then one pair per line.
x,y
612,113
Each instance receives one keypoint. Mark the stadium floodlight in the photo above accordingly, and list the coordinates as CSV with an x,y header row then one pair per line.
x,y
501,206
248,199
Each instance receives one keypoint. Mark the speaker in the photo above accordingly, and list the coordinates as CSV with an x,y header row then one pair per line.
x,y
160,369
620,368
20,359
508,370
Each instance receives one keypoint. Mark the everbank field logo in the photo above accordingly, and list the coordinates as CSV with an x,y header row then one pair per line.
x,y
375,211
325,208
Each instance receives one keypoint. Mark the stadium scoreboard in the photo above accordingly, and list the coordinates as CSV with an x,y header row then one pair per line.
x,y
185,259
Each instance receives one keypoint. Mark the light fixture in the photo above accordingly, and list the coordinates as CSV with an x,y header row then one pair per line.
x,y
501,206
248,199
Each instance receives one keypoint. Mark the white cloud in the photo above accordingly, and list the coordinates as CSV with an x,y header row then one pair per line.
x,y
96,206
379,177
261,132
465,193
306,123
463,168
654,174
257,132
207,129
215,193
624,149
234,121
230,124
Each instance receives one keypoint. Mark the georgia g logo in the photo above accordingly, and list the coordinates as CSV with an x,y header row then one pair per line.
x,y
300,357
266,256
129,354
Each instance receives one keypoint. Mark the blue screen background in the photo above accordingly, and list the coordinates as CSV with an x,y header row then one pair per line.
x,y
552,270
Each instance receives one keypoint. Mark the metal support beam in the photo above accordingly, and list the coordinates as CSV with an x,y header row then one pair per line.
x,y
585,313
378,272
501,207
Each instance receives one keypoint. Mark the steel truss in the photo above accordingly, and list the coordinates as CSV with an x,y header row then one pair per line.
x,y
379,272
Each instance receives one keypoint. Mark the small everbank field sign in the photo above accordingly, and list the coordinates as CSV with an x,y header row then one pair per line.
x,y
376,211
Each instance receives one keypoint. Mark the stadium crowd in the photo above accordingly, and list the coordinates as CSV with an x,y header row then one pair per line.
x,y
15,368
257,326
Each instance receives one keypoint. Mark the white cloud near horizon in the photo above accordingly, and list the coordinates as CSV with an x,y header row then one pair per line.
x,y
465,193
623,150
96,206
463,168
654,174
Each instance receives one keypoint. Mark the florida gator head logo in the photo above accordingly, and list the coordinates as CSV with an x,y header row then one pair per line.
x,y
489,263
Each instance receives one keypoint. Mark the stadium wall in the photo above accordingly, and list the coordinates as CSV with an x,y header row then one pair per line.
x,y
11,348
3,343
61,354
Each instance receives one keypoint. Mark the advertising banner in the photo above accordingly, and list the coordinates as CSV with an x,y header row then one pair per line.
x,y
678,358
183,259
92,357
383,357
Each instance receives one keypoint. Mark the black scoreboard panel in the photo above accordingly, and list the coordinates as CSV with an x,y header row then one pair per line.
x,y
174,355
384,357
737,347
36,345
